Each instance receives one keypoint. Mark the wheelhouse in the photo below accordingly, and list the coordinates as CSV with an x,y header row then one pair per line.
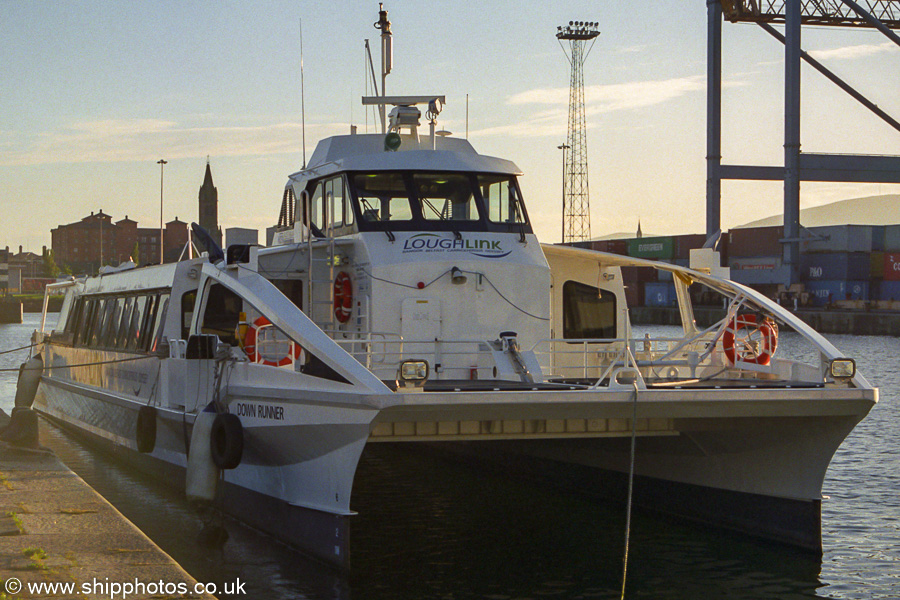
x,y
359,201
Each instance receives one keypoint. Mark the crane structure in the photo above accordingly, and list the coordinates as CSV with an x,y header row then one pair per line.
x,y
883,15
580,36
836,13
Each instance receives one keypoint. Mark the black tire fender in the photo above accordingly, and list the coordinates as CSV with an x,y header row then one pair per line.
x,y
226,441
145,432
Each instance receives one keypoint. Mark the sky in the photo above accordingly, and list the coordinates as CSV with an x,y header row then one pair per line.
x,y
93,94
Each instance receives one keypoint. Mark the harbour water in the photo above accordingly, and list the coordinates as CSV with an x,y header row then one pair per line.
x,y
432,529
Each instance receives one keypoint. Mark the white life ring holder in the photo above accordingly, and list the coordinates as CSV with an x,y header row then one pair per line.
x,y
343,297
295,353
768,330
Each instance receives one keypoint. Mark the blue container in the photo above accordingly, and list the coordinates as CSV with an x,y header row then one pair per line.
x,y
833,266
889,290
659,293
825,292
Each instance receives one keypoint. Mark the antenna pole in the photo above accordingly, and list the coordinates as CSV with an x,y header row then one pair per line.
x,y
302,98
387,56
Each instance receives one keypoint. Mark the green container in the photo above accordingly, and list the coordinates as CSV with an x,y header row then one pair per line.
x,y
652,247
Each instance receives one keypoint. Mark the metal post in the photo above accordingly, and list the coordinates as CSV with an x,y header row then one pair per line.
x,y
791,252
563,147
162,163
713,117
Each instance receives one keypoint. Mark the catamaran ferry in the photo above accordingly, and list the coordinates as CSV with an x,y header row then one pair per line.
x,y
405,300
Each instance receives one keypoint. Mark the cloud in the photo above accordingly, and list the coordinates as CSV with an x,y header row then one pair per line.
x,y
617,96
598,99
853,52
149,139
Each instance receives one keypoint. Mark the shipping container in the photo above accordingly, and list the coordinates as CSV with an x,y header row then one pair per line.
x,y
665,275
618,247
877,238
755,241
659,293
892,238
830,291
876,265
759,277
634,294
837,238
891,267
651,247
613,246
685,243
638,274
755,263
845,266
888,290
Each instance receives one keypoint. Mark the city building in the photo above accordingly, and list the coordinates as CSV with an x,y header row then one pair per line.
x,y
96,240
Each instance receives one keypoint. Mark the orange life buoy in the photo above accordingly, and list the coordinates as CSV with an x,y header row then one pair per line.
x,y
343,297
255,356
749,347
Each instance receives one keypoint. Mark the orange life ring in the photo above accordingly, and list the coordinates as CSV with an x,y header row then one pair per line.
x,y
294,354
343,297
749,350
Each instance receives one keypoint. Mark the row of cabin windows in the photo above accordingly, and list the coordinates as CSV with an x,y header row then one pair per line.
x,y
130,323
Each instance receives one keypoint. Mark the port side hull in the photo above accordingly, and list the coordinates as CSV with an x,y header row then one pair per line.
x,y
280,494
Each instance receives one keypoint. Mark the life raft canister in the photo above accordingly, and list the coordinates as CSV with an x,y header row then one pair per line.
x,y
343,297
250,341
749,350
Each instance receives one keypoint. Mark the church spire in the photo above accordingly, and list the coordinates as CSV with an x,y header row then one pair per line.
x,y
209,206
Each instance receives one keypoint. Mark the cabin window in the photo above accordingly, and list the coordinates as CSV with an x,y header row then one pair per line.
x,y
383,197
445,197
101,327
317,207
74,317
588,312
286,216
132,338
125,323
334,193
502,199
222,313
159,318
89,316
187,313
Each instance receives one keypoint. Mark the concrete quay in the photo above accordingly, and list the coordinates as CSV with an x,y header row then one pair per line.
x,y
55,529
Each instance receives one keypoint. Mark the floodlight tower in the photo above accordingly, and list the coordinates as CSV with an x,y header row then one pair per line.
x,y
576,197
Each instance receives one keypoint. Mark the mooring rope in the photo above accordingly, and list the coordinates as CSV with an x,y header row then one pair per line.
x,y
18,349
630,487
102,362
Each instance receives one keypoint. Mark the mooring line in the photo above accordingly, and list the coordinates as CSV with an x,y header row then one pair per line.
x,y
630,488
17,349
102,362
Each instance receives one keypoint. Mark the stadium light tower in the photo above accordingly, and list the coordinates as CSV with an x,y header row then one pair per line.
x,y
576,205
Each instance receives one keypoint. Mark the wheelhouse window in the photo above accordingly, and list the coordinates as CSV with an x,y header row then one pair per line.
x,y
588,312
445,197
502,199
382,197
